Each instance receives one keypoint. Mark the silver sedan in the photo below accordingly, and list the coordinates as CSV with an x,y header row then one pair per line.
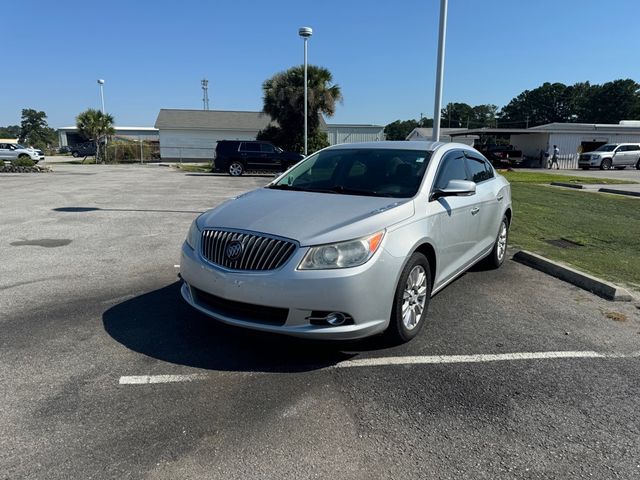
x,y
350,242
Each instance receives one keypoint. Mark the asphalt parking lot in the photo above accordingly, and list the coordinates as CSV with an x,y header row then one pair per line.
x,y
107,373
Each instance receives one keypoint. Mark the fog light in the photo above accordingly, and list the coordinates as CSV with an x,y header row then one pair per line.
x,y
335,318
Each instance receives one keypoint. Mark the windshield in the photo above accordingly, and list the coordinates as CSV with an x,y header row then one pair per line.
x,y
605,148
359,171
17,145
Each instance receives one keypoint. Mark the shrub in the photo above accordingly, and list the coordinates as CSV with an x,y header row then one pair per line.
x,y
23,161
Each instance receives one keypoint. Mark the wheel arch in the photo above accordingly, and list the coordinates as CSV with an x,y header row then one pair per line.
x,y
428,251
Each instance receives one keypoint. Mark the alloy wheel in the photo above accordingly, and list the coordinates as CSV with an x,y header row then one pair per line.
x,y
414,297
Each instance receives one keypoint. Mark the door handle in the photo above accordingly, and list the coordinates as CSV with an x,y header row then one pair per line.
x,y
475,210
500,197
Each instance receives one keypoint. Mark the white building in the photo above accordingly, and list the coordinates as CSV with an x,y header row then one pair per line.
x,y
571,138
575,138
353,133
192,134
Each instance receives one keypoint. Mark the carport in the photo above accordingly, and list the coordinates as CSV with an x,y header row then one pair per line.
x,y
529,141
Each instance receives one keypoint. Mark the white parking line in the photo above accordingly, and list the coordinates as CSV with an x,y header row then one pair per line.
x,y
176,266
146,379
409,360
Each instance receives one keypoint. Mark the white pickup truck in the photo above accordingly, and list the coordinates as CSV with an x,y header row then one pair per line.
x,y
12,151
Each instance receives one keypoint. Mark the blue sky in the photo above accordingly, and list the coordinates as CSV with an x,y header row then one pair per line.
x,y
152,54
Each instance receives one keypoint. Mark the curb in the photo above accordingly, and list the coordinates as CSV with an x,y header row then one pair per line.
x,y
606,290
619,192
568,185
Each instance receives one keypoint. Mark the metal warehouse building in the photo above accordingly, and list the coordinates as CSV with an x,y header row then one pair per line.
x,y
191,135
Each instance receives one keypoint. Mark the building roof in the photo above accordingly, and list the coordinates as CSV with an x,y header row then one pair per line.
x,y
177,119
588,127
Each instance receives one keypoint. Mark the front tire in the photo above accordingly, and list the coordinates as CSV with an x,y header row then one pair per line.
x,y
236,169
499,251
606,164
411,300
75,154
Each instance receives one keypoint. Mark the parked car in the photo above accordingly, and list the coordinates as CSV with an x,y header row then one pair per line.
x,y
612,155
13,151
501,155
351,242
87,149
236,157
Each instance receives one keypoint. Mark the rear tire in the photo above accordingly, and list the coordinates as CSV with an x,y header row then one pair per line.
x,y
236,169
75,154
638,164
606,164
499,252
411,300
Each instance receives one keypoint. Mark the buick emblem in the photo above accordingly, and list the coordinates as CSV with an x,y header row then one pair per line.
x,y
234,250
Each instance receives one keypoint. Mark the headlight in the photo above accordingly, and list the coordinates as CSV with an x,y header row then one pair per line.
x,y
343,254
193,235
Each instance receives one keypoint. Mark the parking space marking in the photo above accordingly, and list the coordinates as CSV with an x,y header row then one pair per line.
x,y
479,358
146,379
408,360
176,266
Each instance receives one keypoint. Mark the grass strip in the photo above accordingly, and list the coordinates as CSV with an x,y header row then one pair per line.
x,y
596,233
515,176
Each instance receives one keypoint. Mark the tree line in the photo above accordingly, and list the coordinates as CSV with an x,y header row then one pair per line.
x,y
581,102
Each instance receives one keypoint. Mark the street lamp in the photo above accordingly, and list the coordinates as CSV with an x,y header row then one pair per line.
x,y
440,71
101,83
305,33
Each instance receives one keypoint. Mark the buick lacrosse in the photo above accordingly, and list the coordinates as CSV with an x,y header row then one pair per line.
x,y
350,242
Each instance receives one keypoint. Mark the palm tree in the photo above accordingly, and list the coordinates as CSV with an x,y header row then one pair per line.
x,y
283,96
95,125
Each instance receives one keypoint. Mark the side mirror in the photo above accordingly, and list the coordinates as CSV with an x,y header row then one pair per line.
x,y
455,188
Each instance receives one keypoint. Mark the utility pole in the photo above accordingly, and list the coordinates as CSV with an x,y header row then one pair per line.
x,y
527,121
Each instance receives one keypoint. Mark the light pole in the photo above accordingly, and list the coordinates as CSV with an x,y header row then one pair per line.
x,y
101,83
305,33
440,71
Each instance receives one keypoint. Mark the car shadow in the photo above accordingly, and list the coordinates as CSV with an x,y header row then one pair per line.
x,y
161,325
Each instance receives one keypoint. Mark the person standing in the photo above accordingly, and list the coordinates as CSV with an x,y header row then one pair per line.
x,y
554,157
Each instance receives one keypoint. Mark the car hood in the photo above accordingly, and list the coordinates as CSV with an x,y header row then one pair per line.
x,y
310,218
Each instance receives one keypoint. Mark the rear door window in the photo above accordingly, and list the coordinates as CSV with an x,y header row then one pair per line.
x,y
249,147
478,169
266,148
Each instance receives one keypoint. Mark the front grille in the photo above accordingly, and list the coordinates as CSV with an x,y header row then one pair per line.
x,y
240,311
257,252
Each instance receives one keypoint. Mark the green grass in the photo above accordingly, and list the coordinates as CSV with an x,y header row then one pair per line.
x,y
535,177
194,167
607,227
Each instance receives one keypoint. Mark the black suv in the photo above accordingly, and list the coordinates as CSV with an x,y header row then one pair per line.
x,y
236,157
87,149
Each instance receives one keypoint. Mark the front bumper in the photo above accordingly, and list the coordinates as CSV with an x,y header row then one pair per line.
x,y
365,293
